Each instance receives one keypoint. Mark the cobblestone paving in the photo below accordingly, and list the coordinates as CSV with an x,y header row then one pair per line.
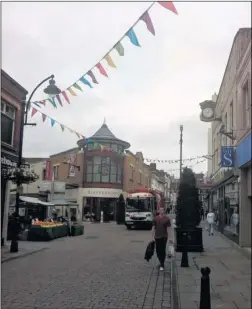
x,y
104,269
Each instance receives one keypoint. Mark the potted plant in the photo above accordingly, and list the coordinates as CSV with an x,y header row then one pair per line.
x,y
188,214
120,210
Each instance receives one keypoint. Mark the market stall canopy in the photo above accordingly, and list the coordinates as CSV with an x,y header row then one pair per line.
x,y
63,203
33,200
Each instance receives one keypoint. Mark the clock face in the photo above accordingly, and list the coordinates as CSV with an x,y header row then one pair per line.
x,y
208,112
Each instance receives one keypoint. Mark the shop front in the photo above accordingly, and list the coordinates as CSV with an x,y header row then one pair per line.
x,y
244,161
7,161
97,200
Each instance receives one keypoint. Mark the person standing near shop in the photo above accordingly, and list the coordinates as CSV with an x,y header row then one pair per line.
x,y
210,221
161,232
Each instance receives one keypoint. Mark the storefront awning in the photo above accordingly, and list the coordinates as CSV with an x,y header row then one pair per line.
x,y
63,203
33,200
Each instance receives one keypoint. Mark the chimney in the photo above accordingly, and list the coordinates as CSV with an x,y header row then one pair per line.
x,y
153,166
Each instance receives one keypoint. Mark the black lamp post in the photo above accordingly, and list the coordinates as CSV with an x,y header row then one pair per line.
x,y
52,90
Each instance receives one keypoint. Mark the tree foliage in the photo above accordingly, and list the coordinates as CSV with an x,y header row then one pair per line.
x,y
188,204
120,210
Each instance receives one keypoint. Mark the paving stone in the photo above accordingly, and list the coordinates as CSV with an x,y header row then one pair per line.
x,y
102,269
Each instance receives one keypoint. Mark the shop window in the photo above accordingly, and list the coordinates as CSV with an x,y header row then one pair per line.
x,y
7,123
89,177
44,174
56,171
105,165
119,174
114,147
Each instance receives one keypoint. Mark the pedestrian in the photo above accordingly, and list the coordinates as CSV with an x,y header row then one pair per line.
x,y
160,232
210,221
202,214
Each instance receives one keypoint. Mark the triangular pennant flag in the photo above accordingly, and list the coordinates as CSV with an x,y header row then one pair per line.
x,y
119,48
42,102
52,122
43,117
59,99
133,38
91,74
34,111
146,18
72,92
52,102
35,103
62,127
101,69
109,61
77,134
168,5
65,96
85,81
77,86
101,147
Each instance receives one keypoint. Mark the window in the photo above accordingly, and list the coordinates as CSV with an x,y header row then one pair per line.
x,y
113,171
245,106
56,171
225,130
119,174
114,147
105,165
231,118
7,123
140,177
43,174
131,172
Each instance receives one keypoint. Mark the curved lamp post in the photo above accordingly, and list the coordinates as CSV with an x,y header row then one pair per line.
x,y
52,90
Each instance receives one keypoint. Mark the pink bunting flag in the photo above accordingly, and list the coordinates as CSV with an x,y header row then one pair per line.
x,y
42,102
43,117
146,18
65,96
59,99
34,111
101,69
169,6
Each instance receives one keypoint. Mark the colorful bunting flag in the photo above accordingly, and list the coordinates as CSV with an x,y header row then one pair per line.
x,y
101,69
51,100
169,6
109,61
119,48
65,96
146,18
133,38
59,99
85,81
52,122
62,127
43,117
35,103
72,92
75,85
34,111
91,74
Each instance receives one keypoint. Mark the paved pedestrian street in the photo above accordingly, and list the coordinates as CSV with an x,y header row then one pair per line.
x,y
104,268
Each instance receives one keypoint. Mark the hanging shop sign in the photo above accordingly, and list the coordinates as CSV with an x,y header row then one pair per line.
x,y
227,156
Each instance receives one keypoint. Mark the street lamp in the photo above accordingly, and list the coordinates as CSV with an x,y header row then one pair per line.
x,y
51,89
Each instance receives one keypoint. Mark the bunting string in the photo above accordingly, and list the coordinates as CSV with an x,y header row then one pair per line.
x,y
190,166
175,161
100,147
89,77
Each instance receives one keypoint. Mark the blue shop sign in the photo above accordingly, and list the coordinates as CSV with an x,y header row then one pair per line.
x,y
243,151
227,156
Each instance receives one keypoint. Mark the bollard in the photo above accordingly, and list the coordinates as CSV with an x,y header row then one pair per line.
x,y
184,259
205,301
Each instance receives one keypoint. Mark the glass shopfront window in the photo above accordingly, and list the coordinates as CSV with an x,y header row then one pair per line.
x,y
103,169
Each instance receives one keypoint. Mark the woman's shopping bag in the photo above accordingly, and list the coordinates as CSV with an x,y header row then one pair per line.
x,y
171,250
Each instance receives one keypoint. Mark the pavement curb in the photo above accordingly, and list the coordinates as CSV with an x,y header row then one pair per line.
x,y
21,255
175,301
234,245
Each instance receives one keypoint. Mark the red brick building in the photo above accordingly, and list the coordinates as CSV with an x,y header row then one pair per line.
x,y
12,94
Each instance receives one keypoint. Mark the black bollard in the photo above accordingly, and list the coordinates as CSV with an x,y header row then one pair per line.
x,y
184,259
205,301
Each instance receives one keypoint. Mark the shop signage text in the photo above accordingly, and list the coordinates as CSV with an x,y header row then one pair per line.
x,y
110,193
227,156
8,162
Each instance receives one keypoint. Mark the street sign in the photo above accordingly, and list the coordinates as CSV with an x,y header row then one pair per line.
x,y
227,156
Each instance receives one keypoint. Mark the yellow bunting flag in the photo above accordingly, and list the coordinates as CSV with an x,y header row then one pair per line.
x,y
77,86
72,92
109,61
101,147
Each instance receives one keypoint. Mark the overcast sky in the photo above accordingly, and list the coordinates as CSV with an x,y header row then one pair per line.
x,y
153,90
